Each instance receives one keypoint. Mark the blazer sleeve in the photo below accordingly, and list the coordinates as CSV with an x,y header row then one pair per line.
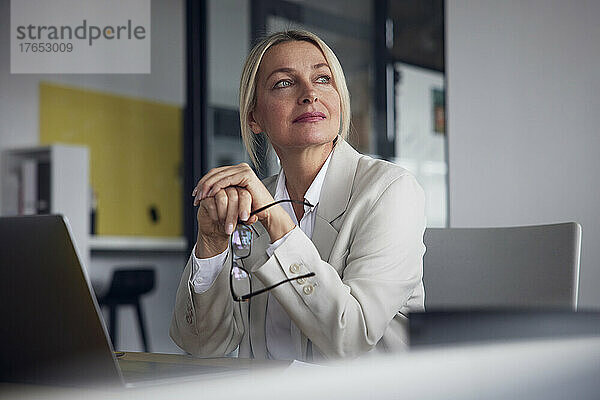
x,y
346,316
207,324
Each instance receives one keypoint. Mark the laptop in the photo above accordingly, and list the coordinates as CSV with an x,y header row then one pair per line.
x,y
51,329
457,327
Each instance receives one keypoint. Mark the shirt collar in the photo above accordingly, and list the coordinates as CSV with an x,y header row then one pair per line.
x,y
313,193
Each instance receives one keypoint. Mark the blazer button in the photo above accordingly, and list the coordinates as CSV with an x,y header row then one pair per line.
x,y
295,268
301,281
308,289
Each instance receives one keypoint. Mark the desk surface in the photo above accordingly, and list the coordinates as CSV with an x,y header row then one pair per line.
x,y
156,368
216,362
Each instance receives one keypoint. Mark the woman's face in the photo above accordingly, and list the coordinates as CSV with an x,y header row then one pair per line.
x,y
297,105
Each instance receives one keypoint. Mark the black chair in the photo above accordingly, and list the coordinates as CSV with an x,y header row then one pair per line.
x,y
126,288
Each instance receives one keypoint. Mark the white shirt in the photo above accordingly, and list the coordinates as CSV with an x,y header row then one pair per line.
x,y
279,327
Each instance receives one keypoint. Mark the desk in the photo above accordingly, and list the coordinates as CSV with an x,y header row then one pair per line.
x,y
182,359
156,368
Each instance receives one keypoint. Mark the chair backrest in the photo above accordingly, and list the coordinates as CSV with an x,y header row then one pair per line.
x,y
528,266
128,282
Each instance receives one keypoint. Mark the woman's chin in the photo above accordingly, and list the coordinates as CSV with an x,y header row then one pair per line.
x,y
311,141
313,136
303,138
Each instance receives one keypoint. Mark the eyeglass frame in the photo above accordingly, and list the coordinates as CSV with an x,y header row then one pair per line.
x,y
251,293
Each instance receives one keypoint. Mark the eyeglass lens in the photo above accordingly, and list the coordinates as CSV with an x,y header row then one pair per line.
x,y
240,281
241,241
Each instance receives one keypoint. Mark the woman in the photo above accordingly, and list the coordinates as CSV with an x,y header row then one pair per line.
x,y
359,231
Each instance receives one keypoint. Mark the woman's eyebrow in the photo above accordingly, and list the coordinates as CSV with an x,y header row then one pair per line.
x,y
289,70
320,65
283,69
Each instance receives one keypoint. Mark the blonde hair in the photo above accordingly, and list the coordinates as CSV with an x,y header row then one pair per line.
x,y
250,76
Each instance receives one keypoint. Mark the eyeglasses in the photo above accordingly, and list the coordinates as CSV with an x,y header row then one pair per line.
x,y
240,280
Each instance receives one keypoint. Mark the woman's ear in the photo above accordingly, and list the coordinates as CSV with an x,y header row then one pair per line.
x,y
255,126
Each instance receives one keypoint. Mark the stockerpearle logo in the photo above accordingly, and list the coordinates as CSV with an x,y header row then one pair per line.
x,y
80,36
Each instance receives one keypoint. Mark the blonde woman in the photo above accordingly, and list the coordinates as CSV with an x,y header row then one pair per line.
x,y
323,260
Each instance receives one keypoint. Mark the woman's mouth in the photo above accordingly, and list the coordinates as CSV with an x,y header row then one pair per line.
x,y
310,117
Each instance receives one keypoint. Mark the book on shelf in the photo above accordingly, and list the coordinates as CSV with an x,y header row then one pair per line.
x,y
43,187
34,187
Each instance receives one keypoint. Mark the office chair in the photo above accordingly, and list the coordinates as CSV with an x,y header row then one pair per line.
x,y
483,268
126,288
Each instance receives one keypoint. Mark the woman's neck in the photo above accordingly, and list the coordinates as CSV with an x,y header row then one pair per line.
x,y
301,168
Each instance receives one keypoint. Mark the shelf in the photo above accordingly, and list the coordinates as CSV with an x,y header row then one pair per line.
x,y
49,180
135,243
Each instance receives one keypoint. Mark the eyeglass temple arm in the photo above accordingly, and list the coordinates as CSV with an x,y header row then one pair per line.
x,y
306,203
249,295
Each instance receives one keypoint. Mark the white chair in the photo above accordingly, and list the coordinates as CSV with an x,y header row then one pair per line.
x,y
483,268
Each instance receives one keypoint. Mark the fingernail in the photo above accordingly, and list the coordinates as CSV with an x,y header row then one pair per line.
x,y
229,229
194,191
244,216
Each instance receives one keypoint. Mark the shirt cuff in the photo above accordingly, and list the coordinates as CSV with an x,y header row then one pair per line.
x,y
273,246
206,270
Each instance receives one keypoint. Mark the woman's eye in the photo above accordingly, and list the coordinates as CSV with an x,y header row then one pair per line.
x,y
324,79
282,84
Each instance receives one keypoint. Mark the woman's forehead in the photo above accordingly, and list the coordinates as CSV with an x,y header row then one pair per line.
x,y
291,54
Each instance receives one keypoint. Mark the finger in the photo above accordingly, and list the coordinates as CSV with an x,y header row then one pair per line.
x,y
219,181
237,175
221,202
205,184
244,204
232,210
197,188
210,206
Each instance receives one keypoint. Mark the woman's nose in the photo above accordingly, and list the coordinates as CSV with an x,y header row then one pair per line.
x,y
308,95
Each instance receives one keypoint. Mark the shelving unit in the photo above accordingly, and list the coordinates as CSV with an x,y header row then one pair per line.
x,y
69,195
66,167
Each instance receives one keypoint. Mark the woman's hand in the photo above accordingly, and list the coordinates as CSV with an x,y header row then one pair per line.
x,y
225,186
240,175
217,218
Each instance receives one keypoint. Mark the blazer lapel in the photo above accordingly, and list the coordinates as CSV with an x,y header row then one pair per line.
x,y
335,196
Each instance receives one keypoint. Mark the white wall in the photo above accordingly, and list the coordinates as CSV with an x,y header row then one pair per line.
x,y
524,118
19,126
418,147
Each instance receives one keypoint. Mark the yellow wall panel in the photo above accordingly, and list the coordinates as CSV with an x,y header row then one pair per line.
x,y
135,155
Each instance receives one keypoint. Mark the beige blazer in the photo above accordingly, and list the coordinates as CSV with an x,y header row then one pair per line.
x,y
366,251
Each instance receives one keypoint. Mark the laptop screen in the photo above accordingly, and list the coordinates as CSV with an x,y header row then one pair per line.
x,y
51,329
